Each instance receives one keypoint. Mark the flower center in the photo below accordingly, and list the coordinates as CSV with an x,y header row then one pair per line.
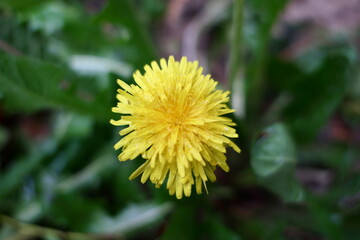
x,y
177,111
176,115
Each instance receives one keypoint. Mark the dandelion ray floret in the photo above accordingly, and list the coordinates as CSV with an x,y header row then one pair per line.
x,y
174,118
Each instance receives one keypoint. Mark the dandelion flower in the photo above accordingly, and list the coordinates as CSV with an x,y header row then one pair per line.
x,y
174,118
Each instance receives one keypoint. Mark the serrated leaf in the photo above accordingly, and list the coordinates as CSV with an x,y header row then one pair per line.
x,y
28,85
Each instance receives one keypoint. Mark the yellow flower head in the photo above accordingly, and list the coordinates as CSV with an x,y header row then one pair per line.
x,y
175,122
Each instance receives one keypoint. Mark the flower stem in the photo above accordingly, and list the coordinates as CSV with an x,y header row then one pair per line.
x,y
26,231
235,64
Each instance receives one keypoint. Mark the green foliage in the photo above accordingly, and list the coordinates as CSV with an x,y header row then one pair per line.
x,y
273,159
29,79
20,5
123,13
217,229
81,212
182,224
3,137
328,222
298,178
312,109
272,151
38,85
16,173
23,39
258,36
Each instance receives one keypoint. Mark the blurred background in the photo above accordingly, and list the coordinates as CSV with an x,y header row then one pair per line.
x,y
292,67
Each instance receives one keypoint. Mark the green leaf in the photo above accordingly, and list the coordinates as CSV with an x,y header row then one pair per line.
x,y
273,151
28,85
273,159
284,75
316,97
285,185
